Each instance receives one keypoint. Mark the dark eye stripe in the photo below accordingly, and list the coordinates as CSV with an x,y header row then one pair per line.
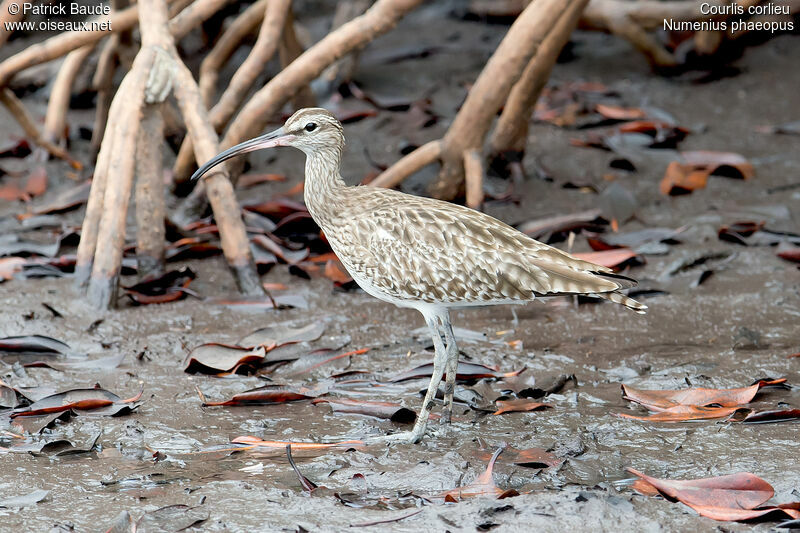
x,y
311,126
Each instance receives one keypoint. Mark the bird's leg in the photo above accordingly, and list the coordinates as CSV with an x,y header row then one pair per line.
x,y
439,362
451,368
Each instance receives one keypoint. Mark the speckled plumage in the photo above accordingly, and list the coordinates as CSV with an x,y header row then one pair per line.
x,y
424,253
409,249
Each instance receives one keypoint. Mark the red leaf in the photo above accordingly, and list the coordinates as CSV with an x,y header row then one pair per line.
x,y
482,486
268,394
735,491
520,405
619,113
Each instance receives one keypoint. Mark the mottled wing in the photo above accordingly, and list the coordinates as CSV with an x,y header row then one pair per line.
x,y
414,248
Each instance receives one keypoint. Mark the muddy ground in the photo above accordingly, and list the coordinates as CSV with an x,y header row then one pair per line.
x,y
738,325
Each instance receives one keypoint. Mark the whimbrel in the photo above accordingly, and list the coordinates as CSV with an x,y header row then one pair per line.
x,y
425,254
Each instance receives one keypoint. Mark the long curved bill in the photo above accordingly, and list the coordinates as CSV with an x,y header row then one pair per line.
x,y
278,137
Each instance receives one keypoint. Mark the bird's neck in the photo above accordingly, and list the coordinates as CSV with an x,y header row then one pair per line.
x,y
323,185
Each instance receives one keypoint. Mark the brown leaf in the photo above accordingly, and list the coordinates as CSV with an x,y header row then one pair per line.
x,y
619,113
268,394
536,458
790,253
335,272
682,177
736,491
518,406
66,201
663,399
482,486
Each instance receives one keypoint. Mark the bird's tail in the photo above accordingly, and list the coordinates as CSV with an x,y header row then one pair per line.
x,y
619,298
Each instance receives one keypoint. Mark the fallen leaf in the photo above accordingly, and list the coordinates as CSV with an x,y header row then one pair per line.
x,y
483,485
102,363
619,113
306,483
10,266
24,501
171,518
517,406
545,229
281,334
466,371
80,401
683,413
36,345
692,173
737,491
255,442
213,358
734,497
386,410
770,416
695,396
268,394
608,258
335,272
535,458
790,253
168,287
66,200
246,181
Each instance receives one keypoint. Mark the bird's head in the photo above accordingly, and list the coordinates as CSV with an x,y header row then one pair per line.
x,y
312,130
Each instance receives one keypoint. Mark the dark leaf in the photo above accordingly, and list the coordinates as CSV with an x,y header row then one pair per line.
x,y
166,288
771,416
81,401
268,394
306,483
466,371
386,410
35,345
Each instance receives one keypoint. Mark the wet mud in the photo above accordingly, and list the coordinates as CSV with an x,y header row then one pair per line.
x,y
738,325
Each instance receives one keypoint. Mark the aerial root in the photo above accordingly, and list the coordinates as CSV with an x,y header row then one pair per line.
x,y
522,60
156,72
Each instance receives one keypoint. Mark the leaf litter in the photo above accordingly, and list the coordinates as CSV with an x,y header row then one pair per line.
x,y
734,497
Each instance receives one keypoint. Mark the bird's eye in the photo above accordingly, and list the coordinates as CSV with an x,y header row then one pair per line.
x,y
310,126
